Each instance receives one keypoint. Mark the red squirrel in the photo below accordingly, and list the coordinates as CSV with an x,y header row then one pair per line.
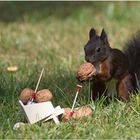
x,y
112,63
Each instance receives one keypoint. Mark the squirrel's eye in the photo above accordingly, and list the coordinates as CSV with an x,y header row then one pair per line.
x,y
98,49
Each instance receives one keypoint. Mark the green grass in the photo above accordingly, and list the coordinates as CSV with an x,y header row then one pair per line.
x,y
52,35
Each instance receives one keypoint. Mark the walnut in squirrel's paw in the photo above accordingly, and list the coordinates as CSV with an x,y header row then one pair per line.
x,y
85,71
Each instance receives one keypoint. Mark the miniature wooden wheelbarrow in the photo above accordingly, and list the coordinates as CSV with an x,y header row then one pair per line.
x,y
41,112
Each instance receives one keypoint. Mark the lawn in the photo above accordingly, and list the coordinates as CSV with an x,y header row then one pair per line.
x,y
52,35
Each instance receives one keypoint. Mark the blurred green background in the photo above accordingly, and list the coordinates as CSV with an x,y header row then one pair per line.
x,y
52,35
32,28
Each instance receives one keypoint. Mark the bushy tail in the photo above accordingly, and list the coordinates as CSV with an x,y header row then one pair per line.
x,y
132,52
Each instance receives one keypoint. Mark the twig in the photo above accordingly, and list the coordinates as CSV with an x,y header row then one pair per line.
x,y
137,81
77,91
33,96
39,80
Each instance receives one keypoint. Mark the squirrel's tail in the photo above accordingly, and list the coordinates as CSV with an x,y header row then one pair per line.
x,y
132,52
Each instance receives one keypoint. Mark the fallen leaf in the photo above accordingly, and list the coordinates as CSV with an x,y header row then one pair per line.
x,y
12,68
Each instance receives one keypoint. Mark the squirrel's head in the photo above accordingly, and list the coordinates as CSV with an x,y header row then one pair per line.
x,y
97,48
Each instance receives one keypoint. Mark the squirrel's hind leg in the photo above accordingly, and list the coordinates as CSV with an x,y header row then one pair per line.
x,y
125,87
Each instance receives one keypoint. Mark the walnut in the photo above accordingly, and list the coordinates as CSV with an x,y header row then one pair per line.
x,y
66,114
26,95
40,96
43,95
82,112
78,113
86,71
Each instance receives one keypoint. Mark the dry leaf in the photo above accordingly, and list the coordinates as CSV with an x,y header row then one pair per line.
x,y
12,68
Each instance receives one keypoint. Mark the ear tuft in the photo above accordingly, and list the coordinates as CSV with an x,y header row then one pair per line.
x,y
92,33
103,36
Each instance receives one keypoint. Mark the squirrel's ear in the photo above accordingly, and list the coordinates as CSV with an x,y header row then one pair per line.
x,y
92,33
103,36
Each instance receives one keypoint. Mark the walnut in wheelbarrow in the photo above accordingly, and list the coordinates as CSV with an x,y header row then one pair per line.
x,y
85,72
41,96
26,95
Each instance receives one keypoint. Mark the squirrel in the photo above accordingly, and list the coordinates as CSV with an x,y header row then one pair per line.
x,y
112,63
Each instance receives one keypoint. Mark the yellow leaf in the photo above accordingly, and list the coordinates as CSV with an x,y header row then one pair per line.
x,y
12,68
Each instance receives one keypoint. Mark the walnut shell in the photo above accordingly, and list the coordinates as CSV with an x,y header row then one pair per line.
x,y
66,114
82,112
43,95
78,112
86,71
26,95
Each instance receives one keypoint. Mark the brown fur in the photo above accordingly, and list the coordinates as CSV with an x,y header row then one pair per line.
x,y
110,64
124,87
104,70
